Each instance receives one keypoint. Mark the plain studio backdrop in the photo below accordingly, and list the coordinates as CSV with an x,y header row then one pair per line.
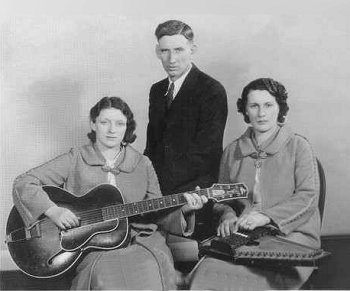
x,y
57,62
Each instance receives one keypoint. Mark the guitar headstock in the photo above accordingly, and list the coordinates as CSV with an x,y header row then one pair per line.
x,y
223,192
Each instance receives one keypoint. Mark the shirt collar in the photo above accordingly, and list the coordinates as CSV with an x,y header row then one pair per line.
x,y
178,83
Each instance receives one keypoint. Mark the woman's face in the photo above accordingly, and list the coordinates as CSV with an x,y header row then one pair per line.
x,y
110,127
262,110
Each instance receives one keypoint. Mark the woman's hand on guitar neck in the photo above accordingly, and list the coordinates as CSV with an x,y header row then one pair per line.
x,y
194,202
62,217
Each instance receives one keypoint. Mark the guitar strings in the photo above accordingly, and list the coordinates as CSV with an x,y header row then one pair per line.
x,y
125,210
97,215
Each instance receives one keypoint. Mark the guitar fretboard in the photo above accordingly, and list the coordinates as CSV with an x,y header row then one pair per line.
x,y
146,206
218,192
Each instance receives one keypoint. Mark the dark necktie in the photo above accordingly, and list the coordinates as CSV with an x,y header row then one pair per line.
x,y
170,95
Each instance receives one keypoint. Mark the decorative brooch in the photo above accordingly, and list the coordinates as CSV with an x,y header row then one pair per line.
x,y
258,156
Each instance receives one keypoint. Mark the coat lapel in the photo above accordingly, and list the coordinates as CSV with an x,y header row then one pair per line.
x,y
188,87
184,98
161,98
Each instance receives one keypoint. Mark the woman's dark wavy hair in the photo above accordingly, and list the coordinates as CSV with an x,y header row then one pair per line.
x,y
117,103
275,88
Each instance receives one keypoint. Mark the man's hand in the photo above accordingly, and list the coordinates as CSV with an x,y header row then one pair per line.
x,y
252,220
194,202
227,225
62,217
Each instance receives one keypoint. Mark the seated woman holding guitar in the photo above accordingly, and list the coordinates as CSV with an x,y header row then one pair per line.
x,y
280,169
82,217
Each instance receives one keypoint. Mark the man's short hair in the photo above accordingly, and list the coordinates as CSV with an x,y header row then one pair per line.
x,y
173,27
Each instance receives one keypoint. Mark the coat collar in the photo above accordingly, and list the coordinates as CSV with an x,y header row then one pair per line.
x,y
129,159
282,137
189,86
190,77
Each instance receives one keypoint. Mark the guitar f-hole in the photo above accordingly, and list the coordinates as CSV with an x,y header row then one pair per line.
x,y
61,258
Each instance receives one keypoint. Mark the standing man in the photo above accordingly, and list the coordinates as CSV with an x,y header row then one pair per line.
x,y
187,115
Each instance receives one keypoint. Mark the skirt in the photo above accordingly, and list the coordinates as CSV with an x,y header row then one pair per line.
x,y
214,274
140,266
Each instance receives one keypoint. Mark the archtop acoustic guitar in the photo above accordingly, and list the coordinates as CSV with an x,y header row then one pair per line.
x,y
44,251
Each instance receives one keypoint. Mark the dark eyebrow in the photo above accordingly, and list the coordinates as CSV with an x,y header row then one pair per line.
x,y
176,48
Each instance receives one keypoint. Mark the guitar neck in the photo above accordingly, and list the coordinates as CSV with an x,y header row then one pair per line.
x,y
149,205
218,192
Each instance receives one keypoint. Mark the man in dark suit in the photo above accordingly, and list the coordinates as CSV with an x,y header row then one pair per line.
x,y
187,115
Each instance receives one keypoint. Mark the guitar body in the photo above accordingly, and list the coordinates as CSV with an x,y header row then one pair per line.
x,y
45,251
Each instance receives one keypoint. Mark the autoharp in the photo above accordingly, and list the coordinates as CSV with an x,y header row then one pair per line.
x,y
262,246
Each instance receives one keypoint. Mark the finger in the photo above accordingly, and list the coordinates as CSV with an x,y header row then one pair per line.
x,y
241,219
76,220
251,226
188,198
198,202
233,227
70,218
65,224
204,199
191,202
239,223
247,225
73,221
220,231
246,220
198,188
243,224
227,229
69,222
196,197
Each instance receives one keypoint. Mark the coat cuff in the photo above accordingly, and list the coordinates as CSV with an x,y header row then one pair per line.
x,y
188,224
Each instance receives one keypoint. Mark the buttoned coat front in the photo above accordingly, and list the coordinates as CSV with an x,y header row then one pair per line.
x,y
284,173
78,171
184,143
288,182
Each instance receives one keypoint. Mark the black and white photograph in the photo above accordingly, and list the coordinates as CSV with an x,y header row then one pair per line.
x,y
174,145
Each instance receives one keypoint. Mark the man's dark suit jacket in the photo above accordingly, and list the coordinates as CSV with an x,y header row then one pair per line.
x,y
184,142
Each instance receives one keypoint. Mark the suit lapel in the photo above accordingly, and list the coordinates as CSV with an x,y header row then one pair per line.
x,y
187,90
160,98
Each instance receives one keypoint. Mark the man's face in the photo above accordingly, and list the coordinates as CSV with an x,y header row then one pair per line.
x,y
175,52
